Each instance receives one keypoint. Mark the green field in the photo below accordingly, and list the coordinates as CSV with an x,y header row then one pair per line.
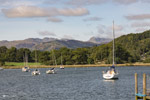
x,y
19,64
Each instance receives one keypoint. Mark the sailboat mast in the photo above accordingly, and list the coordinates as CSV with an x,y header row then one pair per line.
x,y
113,44
36,57
61,58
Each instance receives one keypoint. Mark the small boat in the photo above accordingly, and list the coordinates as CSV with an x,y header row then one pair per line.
x,y
1,68
50,71
36,72
111,73
25,69
61,66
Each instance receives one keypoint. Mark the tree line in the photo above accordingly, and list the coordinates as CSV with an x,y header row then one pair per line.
x,y
66,56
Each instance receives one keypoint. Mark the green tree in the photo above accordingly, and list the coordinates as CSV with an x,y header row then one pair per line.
x,y
11,54
3,50
80,56
44,57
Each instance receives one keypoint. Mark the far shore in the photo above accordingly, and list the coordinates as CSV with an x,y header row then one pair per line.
x,y
86,65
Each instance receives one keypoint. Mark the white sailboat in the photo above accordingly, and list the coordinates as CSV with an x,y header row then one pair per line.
x,y
111,73
61,66
25,68
52,70
1,68
36,71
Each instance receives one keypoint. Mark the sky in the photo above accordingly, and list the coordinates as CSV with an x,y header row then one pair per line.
x,y
72,19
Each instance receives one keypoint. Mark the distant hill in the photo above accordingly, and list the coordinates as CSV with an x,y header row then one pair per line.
x,y
99,40
27,43
46,43
63,43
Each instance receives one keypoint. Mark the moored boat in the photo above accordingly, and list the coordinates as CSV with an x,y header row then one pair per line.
x,y
35,72
25,69
111,73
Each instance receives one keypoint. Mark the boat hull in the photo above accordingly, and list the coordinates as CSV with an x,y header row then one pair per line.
x,y
50,72
62,67
35,73
25,69
110,76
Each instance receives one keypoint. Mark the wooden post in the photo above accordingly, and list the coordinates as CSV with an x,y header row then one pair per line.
x,y
136,86
144,86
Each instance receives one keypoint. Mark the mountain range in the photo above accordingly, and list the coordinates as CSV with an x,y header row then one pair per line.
x,y
53,43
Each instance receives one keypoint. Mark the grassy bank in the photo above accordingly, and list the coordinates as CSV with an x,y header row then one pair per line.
x,y
19,64
34,65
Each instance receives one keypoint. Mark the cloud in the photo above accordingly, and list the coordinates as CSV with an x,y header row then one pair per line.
x,y
73,12
85,2
140,29
106,31
125,2
46,33
12,3
118,28
33,11
103,31
67,37
138,17
53,2
25,11
146,1
140,24
53,19
92,19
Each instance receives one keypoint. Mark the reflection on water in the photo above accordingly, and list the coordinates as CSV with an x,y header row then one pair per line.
x,y
109,80
69,84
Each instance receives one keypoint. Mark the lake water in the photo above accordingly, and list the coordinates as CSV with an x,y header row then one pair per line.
x,y
70,84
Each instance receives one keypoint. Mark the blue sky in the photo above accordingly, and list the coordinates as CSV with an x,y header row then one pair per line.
x,y
72,19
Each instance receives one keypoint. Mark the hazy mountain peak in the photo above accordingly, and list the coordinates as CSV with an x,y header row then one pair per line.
x,y
99,40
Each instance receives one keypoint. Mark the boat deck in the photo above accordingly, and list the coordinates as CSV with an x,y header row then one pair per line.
x,y
147,97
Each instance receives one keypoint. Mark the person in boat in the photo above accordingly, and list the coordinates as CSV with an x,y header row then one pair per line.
x,y
52,68
112,68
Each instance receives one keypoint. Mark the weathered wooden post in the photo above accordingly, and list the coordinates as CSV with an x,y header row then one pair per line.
x,y
136,86
144,86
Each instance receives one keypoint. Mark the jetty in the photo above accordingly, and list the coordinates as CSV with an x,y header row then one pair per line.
x,y
145,95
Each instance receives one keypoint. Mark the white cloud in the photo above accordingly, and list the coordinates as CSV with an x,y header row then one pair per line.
x,y
67,37
138,17
125,2
46,33
73,12
141,29
85,2
146,1
13,3
92,19
53,2
97,2
106,31
33,11
25,11
118,28
140,24
53,19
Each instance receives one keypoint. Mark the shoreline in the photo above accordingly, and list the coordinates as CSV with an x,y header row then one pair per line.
x,y
71,66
